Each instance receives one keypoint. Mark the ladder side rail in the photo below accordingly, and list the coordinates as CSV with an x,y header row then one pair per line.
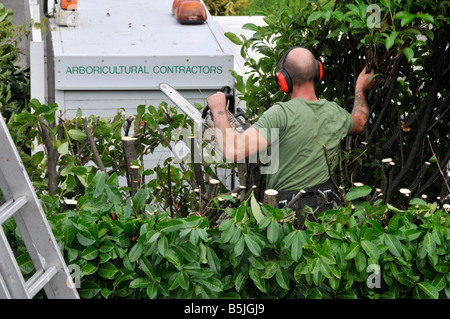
x,y
32,222
10,270
4,292
7,195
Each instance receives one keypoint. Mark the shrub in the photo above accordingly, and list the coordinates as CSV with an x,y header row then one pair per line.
x,y
133,250
226,7
14,80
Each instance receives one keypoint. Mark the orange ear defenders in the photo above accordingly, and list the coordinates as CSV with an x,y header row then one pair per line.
x,y
283,79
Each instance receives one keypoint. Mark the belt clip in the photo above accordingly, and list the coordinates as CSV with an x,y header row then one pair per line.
x,y
327,195
282,203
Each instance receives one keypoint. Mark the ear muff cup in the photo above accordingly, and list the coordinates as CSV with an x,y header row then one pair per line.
x,y
283,79
319,71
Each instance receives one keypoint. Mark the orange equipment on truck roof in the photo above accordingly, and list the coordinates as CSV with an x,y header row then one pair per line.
x,y
69,4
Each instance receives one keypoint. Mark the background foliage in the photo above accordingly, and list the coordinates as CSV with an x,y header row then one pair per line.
x,y
227,7
14,80
409,47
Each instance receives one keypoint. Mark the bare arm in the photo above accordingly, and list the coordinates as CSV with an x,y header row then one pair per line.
x,y
235,146
360,112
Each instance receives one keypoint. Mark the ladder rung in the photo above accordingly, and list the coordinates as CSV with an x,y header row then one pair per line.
x,y
10,207
40,279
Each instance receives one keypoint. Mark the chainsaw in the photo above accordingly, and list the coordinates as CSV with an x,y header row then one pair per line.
x,y
66,12
203,120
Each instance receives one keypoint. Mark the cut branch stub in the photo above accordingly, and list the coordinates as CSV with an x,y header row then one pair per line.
x,y
270,197
130,155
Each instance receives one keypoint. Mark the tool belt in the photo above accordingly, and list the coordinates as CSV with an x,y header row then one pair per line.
x,y
319,198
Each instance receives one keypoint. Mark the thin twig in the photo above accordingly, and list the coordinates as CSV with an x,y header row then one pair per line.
x,y
93,146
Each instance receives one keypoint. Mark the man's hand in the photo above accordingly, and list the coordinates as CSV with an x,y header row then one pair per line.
x,y
217,103
234,146
360,112
364,83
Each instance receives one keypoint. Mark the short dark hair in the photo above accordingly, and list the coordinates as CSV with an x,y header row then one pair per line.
x,y
300,75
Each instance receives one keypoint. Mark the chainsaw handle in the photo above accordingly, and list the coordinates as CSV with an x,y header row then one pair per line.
x,y
229,100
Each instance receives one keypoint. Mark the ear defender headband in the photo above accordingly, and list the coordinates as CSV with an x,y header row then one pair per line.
x,y
283,79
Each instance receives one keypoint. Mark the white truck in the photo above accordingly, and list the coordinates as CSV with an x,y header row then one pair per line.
x,y
120,51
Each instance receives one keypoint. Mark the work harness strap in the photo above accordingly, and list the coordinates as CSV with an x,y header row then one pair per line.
x,y
319,198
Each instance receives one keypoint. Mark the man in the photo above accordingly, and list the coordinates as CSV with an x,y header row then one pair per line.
x,y
305,126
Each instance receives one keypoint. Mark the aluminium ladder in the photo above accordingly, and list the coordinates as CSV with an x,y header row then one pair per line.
x,y
22,204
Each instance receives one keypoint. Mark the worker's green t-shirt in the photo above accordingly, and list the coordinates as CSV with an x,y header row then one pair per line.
x,y
304,127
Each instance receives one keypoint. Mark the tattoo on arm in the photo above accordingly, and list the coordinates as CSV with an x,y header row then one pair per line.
x,y
221,113
361,107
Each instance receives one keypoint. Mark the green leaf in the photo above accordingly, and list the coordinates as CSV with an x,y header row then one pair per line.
x,y
113,194
428,243
152,235
426,17
107,270
370,249
136,252
99,182
90,253
172,225
139,199
152,290
233,38
250,26
239,247
352,251
325,270
240,213
89,289
25,263
79,170
390,40
429,289
394,244
140,283
314,16
239,281
88,269
77,135
147,267
213,260
183,280
252,244
83,239
296,247
360,261
69,232
257,280
64,148
174,257
348,294
439,282
274,231
213,284
282,278
270,270
163,245
409,53
358,192
256,209
407,19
